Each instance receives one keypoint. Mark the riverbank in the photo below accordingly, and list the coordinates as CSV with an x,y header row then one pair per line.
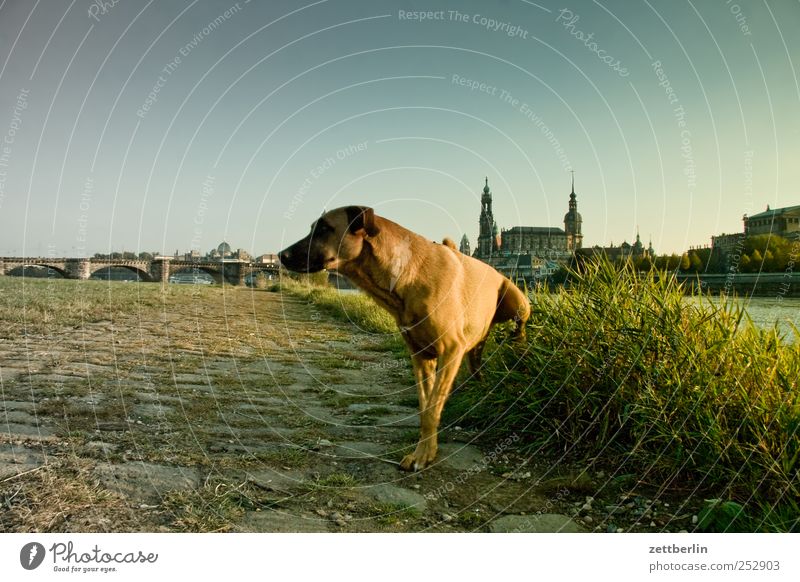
x,y
622,369
777,286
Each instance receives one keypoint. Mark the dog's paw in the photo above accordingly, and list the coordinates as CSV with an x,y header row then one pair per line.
x,y
409,463
419,459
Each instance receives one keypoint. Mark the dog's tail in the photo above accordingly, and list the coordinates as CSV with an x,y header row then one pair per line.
x,y
448,242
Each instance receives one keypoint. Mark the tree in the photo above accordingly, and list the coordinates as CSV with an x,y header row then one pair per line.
x,y
685,263
770,262
744,264
756,260
696,263
775,252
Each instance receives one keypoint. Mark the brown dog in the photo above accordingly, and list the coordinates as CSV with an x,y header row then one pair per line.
x,y
444,302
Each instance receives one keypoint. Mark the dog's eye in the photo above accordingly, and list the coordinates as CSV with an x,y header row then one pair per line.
x,y
322,228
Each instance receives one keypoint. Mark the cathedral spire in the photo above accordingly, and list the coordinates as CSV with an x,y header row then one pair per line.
x,y
487,233
573,220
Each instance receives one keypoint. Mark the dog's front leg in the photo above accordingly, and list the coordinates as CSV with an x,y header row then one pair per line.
x,y
425,376
430,412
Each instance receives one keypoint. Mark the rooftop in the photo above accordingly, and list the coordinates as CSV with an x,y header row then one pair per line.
x,y
534,230
774,212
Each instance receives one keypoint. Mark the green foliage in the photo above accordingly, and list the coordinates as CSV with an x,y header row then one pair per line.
x,y
721,516
621,365
260,280
759,254
355,308
765,253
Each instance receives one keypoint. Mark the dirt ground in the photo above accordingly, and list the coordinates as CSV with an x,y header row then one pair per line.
x,y
245,410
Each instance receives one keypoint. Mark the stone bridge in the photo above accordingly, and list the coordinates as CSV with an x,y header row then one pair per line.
x,y
159,269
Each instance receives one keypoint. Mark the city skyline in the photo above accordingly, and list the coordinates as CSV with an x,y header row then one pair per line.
x,y
129,126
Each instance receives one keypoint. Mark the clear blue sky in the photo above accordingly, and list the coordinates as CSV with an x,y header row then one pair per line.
x,y
283,109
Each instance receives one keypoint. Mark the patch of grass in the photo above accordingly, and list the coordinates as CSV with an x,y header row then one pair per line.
x,y
41,305
338,480
680,392
331,378
334,481
354,308
344,400
213,508
283,457
470,520
393,513
63,496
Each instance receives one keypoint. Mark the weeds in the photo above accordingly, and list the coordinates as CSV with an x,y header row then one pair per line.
x,y
621,366
36,306
355,308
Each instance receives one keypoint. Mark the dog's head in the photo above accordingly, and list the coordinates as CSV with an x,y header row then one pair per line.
x,y
335,238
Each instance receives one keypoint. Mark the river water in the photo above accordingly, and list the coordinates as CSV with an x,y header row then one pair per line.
x,y
768,311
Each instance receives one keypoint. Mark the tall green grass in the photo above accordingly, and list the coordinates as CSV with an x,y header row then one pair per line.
x,y
691,394
356,308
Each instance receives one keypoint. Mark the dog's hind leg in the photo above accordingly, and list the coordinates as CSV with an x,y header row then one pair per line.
x,y
512,305
474,360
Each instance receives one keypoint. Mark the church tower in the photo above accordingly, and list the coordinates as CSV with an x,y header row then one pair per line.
x,y
573,222
464,246
487,232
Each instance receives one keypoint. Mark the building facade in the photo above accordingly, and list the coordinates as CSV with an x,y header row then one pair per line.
x,y
541,241
783,222
625,251
526,251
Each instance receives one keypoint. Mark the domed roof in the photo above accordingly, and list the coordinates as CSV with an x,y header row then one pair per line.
x,y
224,248
569,216
486,188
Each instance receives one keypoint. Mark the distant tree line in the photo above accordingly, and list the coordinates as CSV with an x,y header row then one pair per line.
x,y
761,253
756,254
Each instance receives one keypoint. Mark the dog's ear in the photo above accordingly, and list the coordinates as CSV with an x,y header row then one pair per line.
x,y
362,218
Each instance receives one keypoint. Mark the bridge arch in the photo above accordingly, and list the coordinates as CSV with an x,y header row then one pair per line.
x,y
213,272
18,270
143,275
